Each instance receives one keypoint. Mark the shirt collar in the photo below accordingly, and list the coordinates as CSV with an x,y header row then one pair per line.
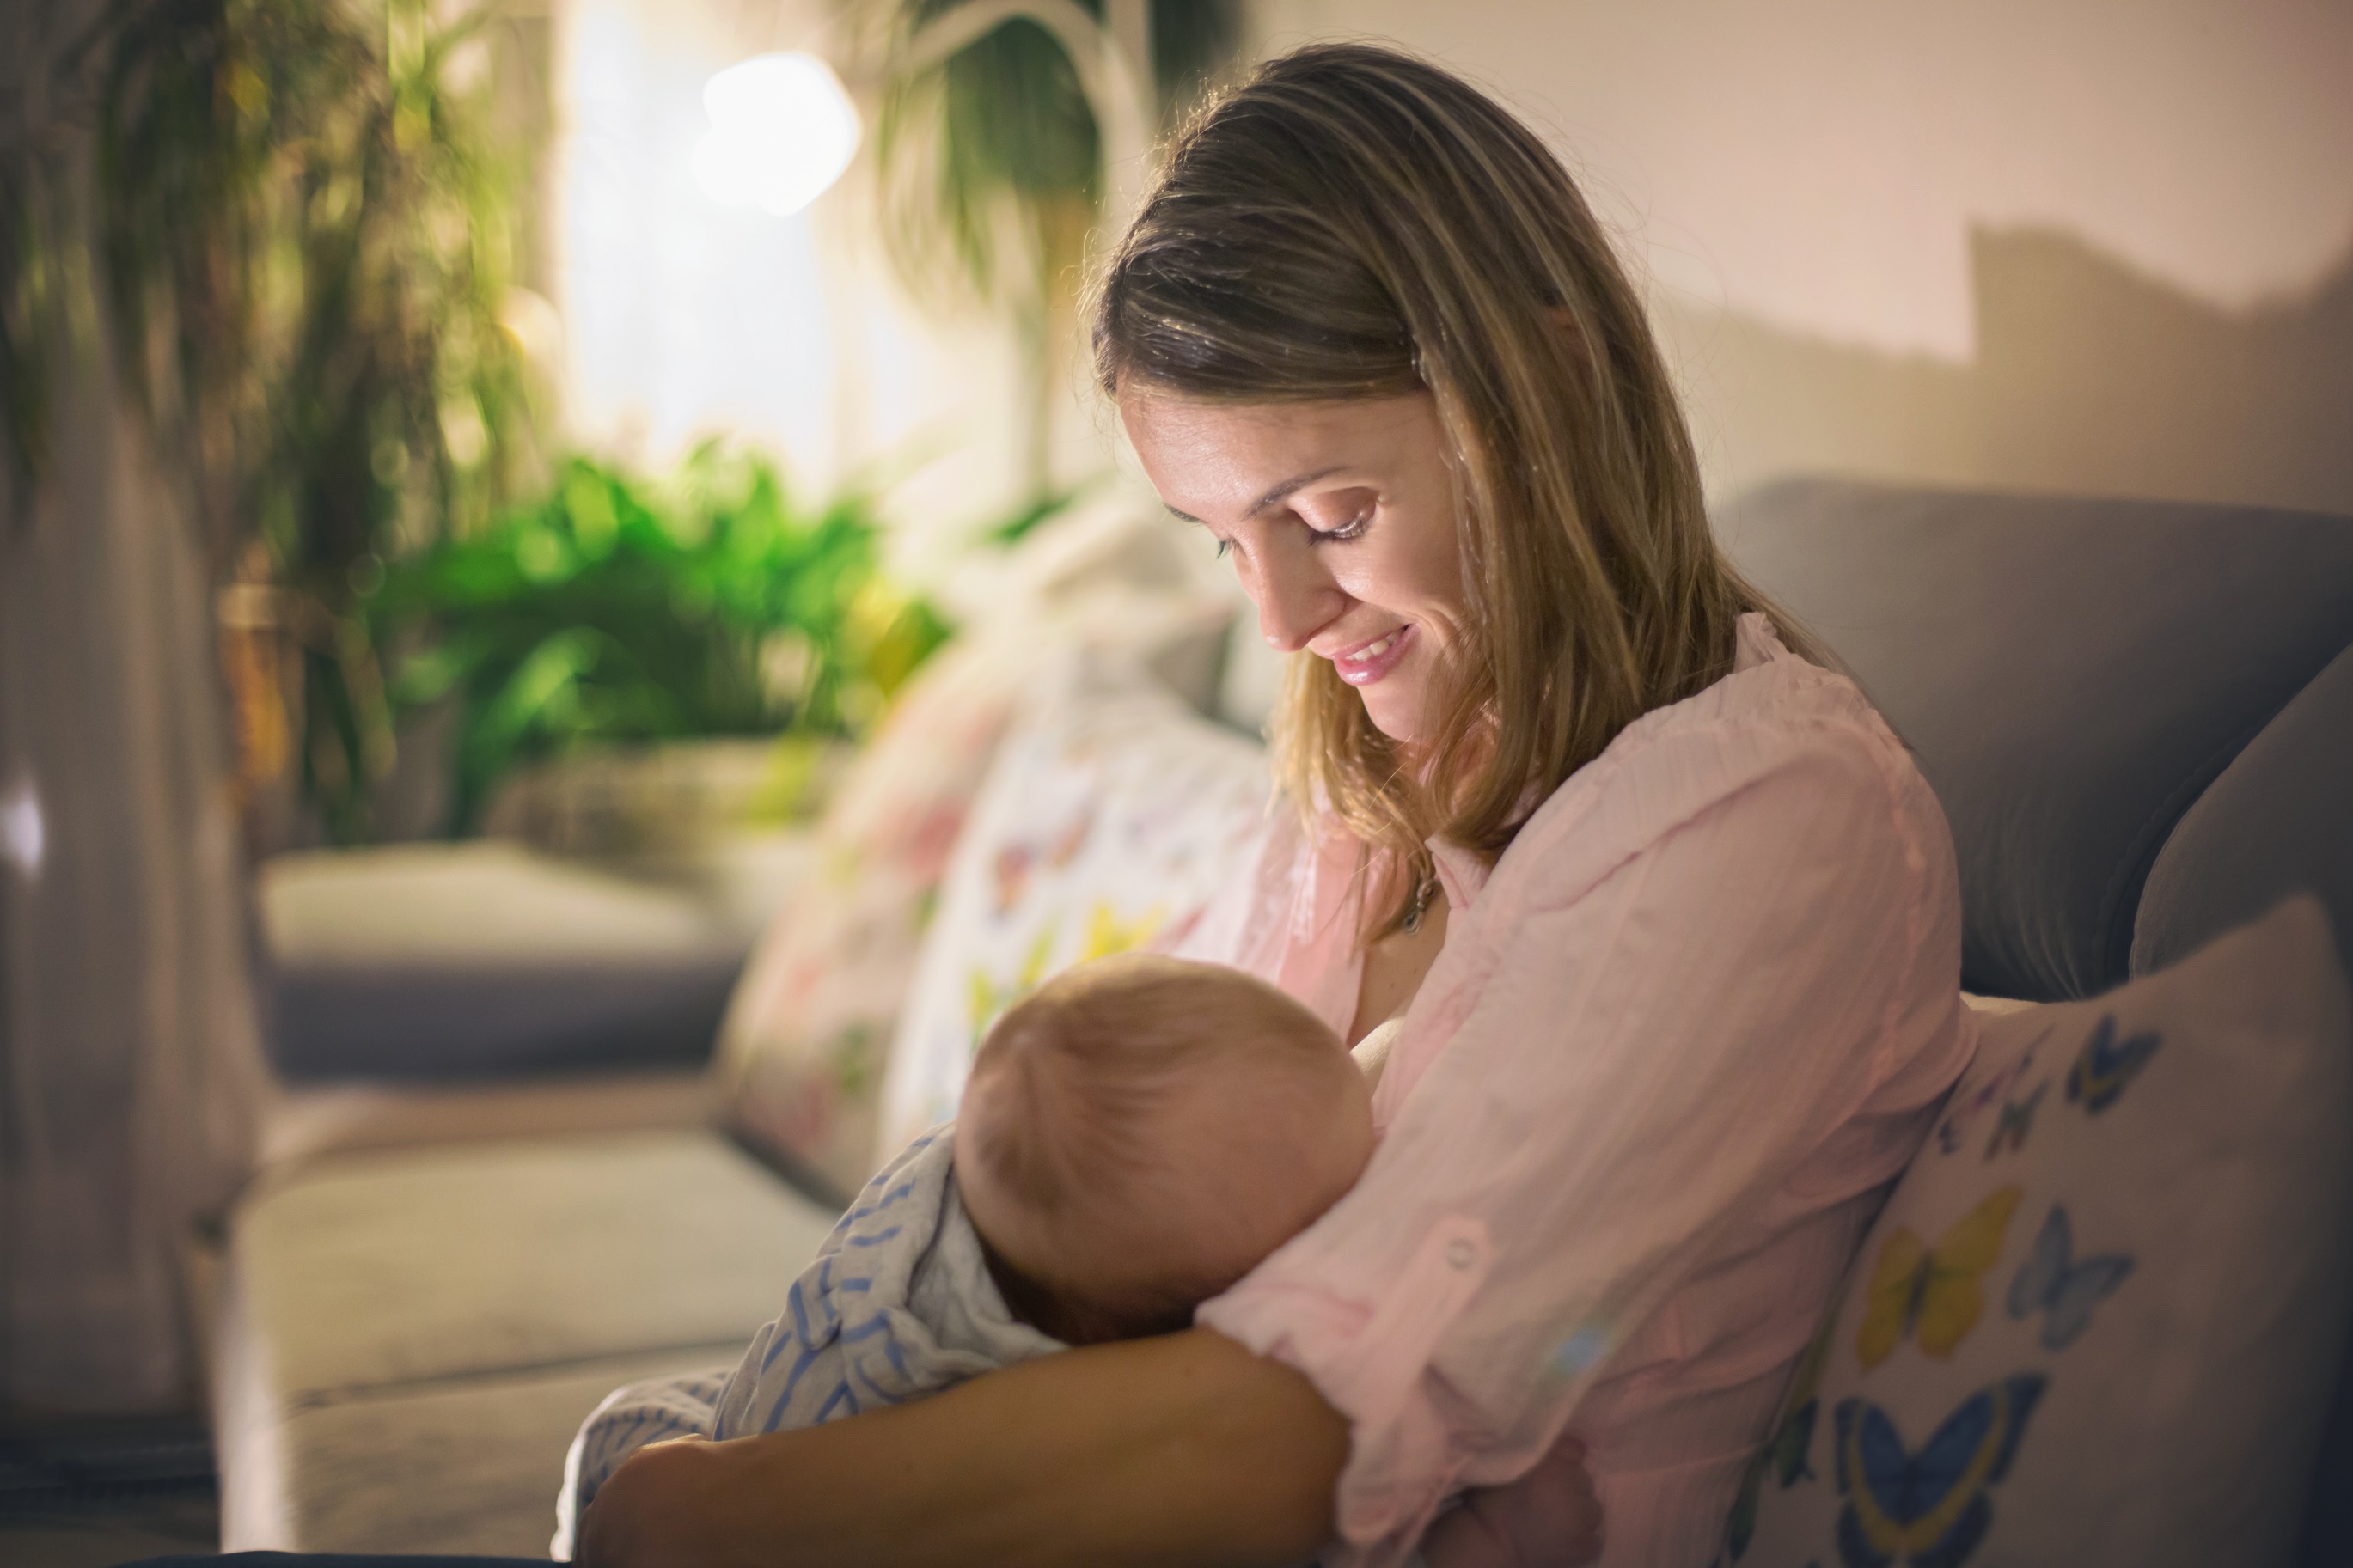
x,y
1754,642
1464,875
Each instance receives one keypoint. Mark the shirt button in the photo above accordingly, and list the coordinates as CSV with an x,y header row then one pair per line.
x,y
1459,1253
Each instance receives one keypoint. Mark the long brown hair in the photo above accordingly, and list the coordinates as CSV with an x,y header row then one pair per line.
x,y
1350,223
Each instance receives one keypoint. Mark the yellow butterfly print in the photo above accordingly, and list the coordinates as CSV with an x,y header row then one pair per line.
x,y
1033,966
1107,933
981,1001
1933,1293
986,1001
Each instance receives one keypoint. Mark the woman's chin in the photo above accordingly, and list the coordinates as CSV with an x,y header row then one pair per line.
x,y
1396,714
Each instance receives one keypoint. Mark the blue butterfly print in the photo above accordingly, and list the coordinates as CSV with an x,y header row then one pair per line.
x,y
1929,1509
1954,1129
2106,1064
2063,1291
2016,1121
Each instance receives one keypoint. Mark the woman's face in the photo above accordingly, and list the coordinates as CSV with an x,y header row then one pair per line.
x,y
1340,520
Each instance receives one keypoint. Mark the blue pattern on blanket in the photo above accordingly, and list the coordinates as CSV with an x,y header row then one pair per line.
x,y
897,1304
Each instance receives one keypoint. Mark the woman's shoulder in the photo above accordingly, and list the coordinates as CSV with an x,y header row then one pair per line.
x,y
1777,744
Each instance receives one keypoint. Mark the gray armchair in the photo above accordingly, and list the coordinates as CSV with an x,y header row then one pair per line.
x,y
2138,716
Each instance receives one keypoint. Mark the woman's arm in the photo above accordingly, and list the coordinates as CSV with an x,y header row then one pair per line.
x,y
1185,1449
1727,957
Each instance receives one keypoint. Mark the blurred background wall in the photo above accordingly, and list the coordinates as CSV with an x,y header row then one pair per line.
x,y
2094,245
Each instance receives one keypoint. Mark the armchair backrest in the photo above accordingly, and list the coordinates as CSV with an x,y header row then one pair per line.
x,y
2071,673
2138,716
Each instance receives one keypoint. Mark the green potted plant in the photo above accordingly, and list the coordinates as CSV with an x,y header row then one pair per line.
x,y
302,218
614,612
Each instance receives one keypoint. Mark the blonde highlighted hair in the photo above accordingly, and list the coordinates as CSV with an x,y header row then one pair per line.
x,y
1354,223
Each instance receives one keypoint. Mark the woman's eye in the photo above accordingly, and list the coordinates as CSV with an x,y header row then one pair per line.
x,y
1224,545
1352,529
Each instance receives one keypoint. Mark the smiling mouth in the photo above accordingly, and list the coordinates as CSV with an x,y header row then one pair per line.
x,y
1363,665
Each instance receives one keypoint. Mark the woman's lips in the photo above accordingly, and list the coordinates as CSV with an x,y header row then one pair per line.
x,y
1363,665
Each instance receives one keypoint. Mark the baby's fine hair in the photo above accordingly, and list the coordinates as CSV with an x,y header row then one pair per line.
x,y
1067,1082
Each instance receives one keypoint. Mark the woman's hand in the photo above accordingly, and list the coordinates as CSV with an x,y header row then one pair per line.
x,y
1549,1517
1161,1453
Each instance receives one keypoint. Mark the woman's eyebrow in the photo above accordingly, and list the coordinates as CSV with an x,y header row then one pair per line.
x,y
1289,487
1281,492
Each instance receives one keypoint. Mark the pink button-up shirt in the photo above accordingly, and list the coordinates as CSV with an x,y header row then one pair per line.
x,y
1639,1114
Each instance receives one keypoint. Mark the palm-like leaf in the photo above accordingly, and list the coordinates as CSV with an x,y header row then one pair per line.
x,y
305,235
991,160
990,166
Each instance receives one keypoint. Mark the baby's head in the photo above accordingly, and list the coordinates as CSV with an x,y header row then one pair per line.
x,y
1139,1133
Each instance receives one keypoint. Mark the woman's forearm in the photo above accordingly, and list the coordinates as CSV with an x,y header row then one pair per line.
x,y
1181,1450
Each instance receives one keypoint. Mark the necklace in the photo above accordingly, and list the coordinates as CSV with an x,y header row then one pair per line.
x,y
1425,888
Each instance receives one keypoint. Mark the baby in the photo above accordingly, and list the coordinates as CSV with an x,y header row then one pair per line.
x,y
1139,1133
1135,1136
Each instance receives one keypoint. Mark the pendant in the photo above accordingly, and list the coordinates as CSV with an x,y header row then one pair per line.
x,y
1424,890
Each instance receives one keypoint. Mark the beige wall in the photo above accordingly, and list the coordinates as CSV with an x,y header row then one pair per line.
x,y
2083,247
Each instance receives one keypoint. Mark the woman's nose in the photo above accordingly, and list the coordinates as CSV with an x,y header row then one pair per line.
x,y
1295,600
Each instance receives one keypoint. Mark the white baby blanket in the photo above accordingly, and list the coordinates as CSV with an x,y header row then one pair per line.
x,y
897,1305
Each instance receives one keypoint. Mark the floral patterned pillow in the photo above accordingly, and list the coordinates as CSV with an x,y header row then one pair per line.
x,y
1112,815
801,1050
2099,1318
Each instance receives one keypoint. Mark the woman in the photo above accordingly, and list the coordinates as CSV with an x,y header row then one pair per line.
x,y
1670,917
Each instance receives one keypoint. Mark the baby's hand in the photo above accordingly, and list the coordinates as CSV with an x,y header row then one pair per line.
x,y
1549,1517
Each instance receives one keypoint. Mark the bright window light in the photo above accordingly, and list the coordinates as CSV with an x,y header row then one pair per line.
x,y
782,131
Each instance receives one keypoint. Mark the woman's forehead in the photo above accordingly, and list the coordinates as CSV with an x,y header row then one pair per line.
x,y
1236,459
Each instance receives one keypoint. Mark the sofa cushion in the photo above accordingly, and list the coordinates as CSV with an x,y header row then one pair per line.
x,y
2275,822
360,1281
364,1271
2279,820
1112,816
2098,1320
802,1050
309,1122
472,1465
2071,673
484,959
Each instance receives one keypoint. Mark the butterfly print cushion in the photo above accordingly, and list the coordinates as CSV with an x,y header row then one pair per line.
x,y
1110,818
2098,1321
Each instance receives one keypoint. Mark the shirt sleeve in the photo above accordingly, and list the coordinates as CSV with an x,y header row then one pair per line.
x,y
1702,977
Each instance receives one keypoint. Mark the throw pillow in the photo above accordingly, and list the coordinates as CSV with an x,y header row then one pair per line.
x,y
1112,815
801,1050
2098,1320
